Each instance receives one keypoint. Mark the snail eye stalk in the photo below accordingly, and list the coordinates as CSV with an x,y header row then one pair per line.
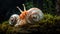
x,y
19,9
24,7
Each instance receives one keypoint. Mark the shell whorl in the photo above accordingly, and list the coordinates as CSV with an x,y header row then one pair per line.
x,y
34,15
13,19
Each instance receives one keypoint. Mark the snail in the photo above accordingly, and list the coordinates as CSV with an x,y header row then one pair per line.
x,y
32,15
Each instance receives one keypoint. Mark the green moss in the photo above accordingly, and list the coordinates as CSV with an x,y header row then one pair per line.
x,y
46,25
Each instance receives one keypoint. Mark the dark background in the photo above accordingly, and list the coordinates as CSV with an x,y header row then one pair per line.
x,y
8,6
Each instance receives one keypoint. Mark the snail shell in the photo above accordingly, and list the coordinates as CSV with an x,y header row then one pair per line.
x,y
13,19
34,15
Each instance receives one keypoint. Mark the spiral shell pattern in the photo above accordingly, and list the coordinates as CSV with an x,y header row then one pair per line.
x,y
34,15
13,19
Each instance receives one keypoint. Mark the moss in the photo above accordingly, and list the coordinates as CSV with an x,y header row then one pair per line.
x,y
48,24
